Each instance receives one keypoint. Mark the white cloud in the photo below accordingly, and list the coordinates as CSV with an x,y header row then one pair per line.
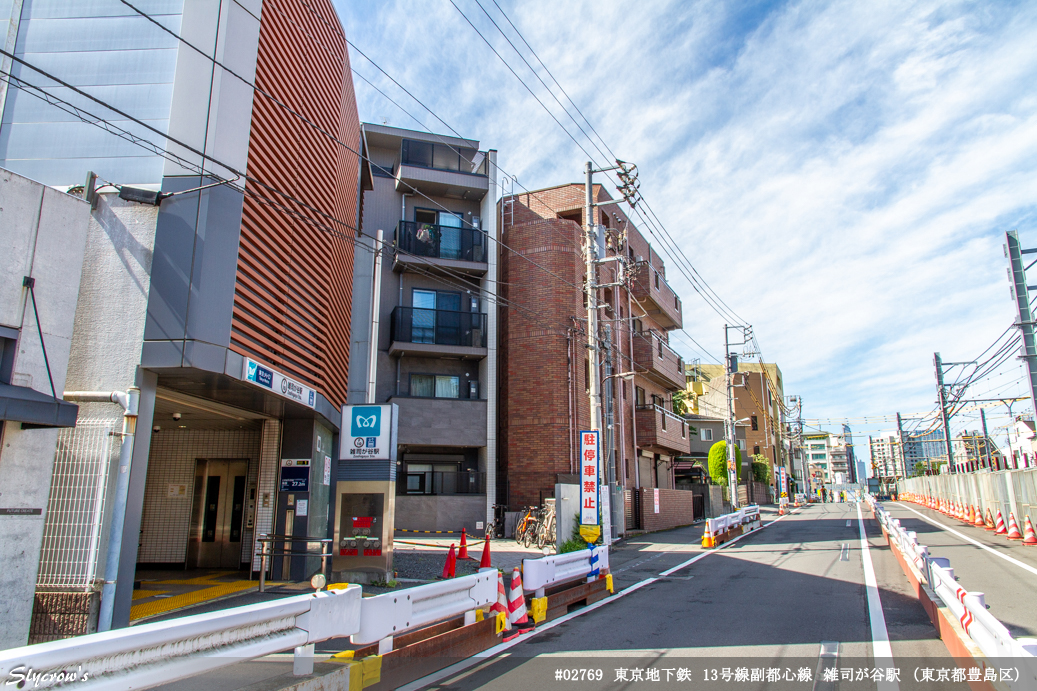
x,y
841,173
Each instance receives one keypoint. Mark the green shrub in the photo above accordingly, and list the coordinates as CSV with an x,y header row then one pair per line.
x,y
718,463
575,542
761,468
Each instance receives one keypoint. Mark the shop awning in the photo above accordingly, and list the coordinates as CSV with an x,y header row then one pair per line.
x,y
35,409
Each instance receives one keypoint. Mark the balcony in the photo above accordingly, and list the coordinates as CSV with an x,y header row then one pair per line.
x,y
657,361
662,429
445,247
657,298
441,170
418,331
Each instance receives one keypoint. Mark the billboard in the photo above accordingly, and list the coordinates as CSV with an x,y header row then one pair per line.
x,y
369,432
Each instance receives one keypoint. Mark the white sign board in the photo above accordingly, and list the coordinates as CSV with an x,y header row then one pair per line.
x,y
589,478
656,496
301,507
369,432
606,516
327,469
272,380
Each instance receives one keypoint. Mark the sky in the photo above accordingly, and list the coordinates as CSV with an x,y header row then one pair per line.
x,y
841,174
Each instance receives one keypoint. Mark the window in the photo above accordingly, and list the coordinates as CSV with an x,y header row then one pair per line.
x,y
639,396
816,447
435,386
755,423
586,374
706,434
657,280
638,326
741,444
442,226
817,457
756,450
435,317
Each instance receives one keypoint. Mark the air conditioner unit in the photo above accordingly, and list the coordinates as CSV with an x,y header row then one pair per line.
x,y
640,259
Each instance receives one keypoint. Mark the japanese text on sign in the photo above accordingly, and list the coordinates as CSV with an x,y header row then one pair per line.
x,y
589,478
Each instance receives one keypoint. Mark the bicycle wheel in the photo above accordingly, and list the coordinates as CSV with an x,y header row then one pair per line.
x,y
527,536
541,537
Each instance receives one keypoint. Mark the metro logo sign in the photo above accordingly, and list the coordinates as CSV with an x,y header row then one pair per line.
x,y
371,432
278,383
589,462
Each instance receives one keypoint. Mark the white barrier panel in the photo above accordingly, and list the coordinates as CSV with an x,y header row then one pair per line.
x,y
558,568
394,613
162,652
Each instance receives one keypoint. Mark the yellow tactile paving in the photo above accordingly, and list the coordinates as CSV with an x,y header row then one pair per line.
x,y
198,580
148,609
141,594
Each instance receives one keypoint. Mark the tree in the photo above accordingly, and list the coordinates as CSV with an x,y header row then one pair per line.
x,y
680,402
718,463
761,468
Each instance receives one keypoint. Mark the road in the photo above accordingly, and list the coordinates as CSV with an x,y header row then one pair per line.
x,y
1005,571
769,600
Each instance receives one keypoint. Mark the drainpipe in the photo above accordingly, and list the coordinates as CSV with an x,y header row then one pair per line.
x,y
633,402
129,401
569,402
376,303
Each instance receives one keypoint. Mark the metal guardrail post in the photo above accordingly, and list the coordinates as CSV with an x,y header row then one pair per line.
x,y
262,565
325,552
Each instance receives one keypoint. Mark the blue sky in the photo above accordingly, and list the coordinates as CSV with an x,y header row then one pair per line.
x,y
841,173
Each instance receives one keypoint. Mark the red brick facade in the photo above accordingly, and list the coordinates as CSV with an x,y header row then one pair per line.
x,y
543,355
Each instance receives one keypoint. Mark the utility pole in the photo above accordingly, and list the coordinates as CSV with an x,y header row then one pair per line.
x,y
986,444
590,252
731,365
903,446
1021,293
943,413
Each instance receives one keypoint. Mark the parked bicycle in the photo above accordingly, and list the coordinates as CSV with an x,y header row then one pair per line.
x,y
496,529
525,529
545,534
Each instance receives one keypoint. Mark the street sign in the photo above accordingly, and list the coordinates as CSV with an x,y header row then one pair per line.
x,y
272,380
589,478
369,432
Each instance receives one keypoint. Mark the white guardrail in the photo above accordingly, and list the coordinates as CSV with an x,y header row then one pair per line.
x,y
720,524
162,652
537,574
970,608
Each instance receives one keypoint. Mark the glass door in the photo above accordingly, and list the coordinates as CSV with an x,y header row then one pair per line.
x,y
423,316
450,235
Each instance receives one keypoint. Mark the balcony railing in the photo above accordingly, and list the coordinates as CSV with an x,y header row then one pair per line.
x,y
442,483
657,426
658,361
438,327
665,308
442,157
441,242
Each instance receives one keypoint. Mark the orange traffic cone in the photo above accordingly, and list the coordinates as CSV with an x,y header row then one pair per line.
x,y
484,563
1013,528
999,524
501,605
1031,537
462,552
979,518
450,567
988,522
517,601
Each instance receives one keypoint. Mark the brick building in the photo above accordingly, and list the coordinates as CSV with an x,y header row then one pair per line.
x,y
544,364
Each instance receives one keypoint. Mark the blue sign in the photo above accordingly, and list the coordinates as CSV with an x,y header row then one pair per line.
x,y
366,422
260,375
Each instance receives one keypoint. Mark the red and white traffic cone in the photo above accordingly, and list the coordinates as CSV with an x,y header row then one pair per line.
x,y
517,601
979,518
450,567
462,552
484,563
1031,537
1013,528
501,605
969,516
989,521
999,524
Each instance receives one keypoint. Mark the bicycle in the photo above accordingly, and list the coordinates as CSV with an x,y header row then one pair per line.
x,y
546,528
496,528
524,530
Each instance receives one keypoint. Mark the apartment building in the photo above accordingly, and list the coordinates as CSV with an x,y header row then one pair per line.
x,y
828,458
759,393
216,277
435,348
544,366
887,458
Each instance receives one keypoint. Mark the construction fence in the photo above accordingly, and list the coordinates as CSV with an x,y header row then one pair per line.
x,y
1007,491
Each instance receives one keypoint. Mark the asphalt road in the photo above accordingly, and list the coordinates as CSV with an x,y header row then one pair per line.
x,y
1010,588
767,601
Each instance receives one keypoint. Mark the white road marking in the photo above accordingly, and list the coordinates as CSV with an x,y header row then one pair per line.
x,y
881,651
827,658
844,553
848,524
975,542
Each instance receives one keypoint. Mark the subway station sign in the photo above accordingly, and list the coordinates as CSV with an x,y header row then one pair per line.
x,y
369,432
274,381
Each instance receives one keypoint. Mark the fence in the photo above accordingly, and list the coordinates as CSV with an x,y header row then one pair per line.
x,y
1008,491
73,534
969,608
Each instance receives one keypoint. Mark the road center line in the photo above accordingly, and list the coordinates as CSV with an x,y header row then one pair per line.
x,y
880,648
975,542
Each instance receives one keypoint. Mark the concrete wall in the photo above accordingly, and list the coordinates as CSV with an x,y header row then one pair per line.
x,y
441,422
452,512
44,236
